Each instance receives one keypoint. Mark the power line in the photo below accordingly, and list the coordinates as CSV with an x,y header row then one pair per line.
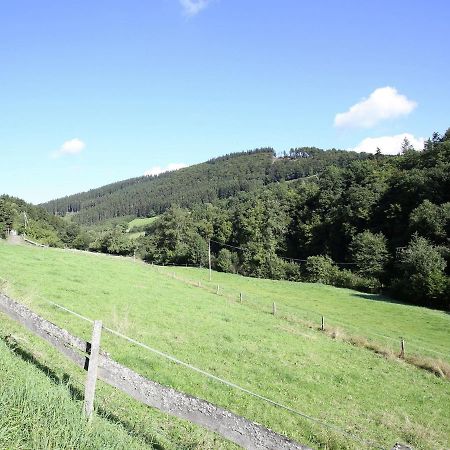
x,y
231,246
282,257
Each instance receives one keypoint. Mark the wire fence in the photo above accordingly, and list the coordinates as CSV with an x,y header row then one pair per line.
x,y
310,317
285,310
356,438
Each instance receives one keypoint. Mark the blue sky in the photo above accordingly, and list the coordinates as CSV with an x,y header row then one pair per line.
x,y
95,92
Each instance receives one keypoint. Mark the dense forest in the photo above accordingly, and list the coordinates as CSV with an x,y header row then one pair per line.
x,y
368,222
217,178
375,224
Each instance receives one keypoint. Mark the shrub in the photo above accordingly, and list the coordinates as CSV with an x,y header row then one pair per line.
x,y
320,269
422,278
350,280
226,261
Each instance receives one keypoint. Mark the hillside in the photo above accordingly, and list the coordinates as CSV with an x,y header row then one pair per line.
x,y
36,223
37,411
282,357
221,177
368,222
377,225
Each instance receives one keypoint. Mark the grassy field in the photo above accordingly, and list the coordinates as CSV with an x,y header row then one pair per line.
x,y
426,332
136,234
141,222
381,399
38,411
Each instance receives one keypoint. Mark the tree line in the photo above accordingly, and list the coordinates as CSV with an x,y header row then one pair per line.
x,y
376,224
367,222
215,179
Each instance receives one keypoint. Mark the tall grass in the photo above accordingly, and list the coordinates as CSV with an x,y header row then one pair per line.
x,y
36,413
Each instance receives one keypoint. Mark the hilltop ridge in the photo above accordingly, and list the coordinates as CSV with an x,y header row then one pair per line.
x,y
221,177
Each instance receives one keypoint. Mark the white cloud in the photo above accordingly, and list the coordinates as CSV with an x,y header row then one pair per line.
x,y
383,103
156,170
193,7
70,147
389,145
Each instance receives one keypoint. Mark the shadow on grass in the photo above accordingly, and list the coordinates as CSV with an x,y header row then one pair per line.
x,y
386,299
379,298
76,394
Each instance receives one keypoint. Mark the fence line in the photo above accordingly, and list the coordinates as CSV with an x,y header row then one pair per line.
x,y
37,244
221,380
410,343
319,315
231,426
235,428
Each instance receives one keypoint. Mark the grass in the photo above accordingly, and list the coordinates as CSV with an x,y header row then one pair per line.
x,y
380,399
136,234
37,411
140,223
426,331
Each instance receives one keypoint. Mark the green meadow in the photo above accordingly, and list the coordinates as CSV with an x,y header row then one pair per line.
x,y
283,357
36,413
140,222
426,332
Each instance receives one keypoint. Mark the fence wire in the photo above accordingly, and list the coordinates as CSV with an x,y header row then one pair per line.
x,y
230,384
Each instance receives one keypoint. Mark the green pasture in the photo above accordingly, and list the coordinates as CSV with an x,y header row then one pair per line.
x,y
381,319
140,222
38,411
279,357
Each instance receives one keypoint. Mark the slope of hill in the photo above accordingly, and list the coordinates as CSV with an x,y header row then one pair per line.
x,y
382,224
202,183
36,223
40,412
280,356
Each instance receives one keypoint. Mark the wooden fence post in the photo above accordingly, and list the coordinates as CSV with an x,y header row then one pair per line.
x,y
274,308
89,391
217,290
402,348
240,297
322,326
239,430
401,447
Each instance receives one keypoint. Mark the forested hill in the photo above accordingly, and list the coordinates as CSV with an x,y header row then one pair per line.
x,y
36,223
217,178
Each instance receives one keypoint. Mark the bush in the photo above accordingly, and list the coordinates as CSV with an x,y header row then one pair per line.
x,y
320,269
226,261
291,271
114,242
422,278
81,241
350,280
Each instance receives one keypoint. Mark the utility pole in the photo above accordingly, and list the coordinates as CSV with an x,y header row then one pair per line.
x,y
209,258
25,222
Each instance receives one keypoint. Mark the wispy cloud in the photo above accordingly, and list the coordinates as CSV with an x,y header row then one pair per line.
x,y
383,103
389,145
156,170
70,147
193,7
